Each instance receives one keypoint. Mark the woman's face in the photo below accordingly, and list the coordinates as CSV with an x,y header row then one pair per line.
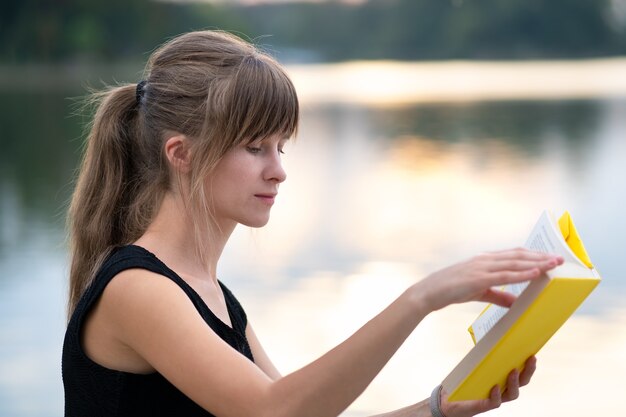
x,y
244,184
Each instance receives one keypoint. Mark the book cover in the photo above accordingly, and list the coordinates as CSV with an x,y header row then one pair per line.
x,y
506,337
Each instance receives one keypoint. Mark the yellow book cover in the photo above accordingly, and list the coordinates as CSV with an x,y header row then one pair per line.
x,y
505,337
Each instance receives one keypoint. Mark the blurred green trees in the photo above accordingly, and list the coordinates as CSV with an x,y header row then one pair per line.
x,y
444,29
96,30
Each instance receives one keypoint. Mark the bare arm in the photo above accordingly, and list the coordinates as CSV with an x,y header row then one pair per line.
x,y
261,359
155,319
420,409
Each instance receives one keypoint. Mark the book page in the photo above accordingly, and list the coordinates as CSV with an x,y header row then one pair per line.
x,y
493,312
545,237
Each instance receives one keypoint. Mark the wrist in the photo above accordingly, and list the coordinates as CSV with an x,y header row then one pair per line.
x,y
419,300
435,403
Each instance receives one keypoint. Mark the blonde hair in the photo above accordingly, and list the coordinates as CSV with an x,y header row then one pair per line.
x,y
211,86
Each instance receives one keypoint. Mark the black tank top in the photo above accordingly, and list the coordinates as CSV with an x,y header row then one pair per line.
x,y
93,390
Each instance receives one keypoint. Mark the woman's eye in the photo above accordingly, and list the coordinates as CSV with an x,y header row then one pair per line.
x,y
281,151
253,149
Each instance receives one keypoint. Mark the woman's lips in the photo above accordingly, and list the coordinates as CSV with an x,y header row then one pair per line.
x,y
266,198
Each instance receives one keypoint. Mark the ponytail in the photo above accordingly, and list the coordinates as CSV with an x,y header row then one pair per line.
x,y
100,207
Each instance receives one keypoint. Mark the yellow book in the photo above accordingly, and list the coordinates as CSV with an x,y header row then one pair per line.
x,y
505,337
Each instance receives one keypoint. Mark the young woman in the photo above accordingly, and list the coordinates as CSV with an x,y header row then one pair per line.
x,y
172,165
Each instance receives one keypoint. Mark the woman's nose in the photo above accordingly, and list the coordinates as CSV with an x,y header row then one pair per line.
x,y
275,170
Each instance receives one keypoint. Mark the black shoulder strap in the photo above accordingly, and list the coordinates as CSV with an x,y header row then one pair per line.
x,y
238,316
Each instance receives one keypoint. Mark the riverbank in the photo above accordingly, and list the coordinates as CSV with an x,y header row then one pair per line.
x,y
378,83
396,83
69,77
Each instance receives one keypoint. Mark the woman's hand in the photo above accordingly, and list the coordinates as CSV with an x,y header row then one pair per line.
x,y
475,279
470,408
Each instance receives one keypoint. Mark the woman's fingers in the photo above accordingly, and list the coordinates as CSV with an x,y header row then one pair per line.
x,y
519,253
523,264
518,379
495,397
512,387
507,277
511,265
506,271
514,381
501,298
529,369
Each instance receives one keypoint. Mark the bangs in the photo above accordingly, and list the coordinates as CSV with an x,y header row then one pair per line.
x,y
263,102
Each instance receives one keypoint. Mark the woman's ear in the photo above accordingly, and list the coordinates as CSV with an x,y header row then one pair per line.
x,y
178,153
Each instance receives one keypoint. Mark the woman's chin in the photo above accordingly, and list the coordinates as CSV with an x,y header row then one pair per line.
x,y
255,223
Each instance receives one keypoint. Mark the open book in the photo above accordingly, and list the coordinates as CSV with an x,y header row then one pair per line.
x,y
506,337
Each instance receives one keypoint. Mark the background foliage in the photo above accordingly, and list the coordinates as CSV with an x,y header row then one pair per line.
x,y
96,31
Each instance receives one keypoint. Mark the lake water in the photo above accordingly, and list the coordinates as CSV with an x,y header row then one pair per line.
x,y
380,192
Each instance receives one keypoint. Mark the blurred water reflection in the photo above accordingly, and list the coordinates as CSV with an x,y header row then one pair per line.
x,y
376,198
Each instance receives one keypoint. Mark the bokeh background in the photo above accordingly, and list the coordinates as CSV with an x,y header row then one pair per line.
x,y
431,130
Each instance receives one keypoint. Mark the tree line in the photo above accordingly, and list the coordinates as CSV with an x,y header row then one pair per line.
x,y
96,31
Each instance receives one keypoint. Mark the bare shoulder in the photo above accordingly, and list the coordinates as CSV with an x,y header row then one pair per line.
x,y
131,289
140,305
133,300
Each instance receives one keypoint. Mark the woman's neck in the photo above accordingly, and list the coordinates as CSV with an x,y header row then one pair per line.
x,y
171,237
